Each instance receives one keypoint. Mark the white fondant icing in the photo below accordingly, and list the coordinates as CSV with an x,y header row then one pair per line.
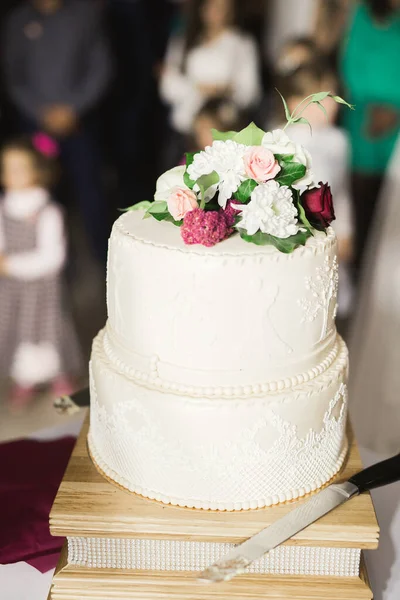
x,y
219,454
223,316
219,380
152,379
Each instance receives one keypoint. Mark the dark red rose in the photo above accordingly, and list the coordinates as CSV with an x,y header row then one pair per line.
x,y
318,206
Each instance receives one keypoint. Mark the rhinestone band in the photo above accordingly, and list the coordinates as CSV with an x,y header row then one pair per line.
x,y
175,555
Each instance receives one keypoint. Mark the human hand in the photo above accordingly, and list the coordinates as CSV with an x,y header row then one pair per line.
x,y
345,250
59,120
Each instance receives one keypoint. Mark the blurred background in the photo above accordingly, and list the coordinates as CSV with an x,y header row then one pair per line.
x,y
98,97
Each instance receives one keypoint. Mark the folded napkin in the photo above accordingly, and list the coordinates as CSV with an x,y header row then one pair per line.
x,y
30,474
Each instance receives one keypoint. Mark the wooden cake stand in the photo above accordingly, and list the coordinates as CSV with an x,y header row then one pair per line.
x,y
96,515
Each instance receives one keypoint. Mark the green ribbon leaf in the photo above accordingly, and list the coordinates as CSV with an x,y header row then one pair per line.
x,y
285,245
186,178
166,216
250,136
290,172
285,106
319,96
302,120
204,182
340,100
158,207
223,136
322,107
144,205
245,190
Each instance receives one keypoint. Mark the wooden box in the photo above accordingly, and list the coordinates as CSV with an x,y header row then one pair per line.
x,y
121,545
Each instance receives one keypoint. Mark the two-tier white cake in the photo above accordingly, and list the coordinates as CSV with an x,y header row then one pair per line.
x,y
219,381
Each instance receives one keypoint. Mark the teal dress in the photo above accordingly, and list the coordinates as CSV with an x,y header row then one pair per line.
x,y
370,69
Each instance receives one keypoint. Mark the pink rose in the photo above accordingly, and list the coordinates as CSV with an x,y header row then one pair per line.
x,y
180,202
260,164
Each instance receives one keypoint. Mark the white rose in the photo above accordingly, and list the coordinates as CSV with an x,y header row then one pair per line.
x,y
303,156
168,181
270,210
279,143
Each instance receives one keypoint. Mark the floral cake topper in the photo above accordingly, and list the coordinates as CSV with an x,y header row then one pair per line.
x,y
259,185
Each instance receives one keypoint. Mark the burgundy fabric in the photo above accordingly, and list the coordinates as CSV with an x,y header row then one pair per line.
x,y
30,474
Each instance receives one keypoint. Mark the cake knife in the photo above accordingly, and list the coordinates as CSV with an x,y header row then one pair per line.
x,y
240,557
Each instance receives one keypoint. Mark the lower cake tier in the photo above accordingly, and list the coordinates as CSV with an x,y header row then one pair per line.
x,y
219,454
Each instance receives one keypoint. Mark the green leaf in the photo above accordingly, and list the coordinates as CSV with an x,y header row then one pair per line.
x,y
285,106
322,107
157,207
245,189
189,158
166,216
186,179
302,213
250,136
204,182
223,136
319,96
284,157
302,120
340,100
290,172
285,245
144,205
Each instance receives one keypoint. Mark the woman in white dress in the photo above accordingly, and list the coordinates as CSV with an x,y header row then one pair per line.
x,y
214,59
375,375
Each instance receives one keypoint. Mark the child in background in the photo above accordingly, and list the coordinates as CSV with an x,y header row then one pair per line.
x,y
294,54
329,147
219,114
37,341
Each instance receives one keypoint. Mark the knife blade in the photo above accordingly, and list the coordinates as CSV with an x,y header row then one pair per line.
x,y
239,558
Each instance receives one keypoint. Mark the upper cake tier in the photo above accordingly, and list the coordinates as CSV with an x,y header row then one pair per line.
x,y
233,319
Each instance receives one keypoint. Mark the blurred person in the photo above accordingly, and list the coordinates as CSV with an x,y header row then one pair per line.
x,y
371,75
57,68
286,20
219,114
330,22
213,59
37,340
374,385
329,147
295,53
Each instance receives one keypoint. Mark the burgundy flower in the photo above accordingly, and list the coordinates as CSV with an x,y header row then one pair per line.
x,y
230,212
318,206
204,227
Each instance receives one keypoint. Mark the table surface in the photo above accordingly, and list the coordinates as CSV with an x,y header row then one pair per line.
x,y
88,505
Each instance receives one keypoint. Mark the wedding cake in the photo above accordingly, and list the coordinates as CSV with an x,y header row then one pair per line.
x,y
219,380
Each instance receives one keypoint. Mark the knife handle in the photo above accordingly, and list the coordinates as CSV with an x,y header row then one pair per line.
x,y
382,473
